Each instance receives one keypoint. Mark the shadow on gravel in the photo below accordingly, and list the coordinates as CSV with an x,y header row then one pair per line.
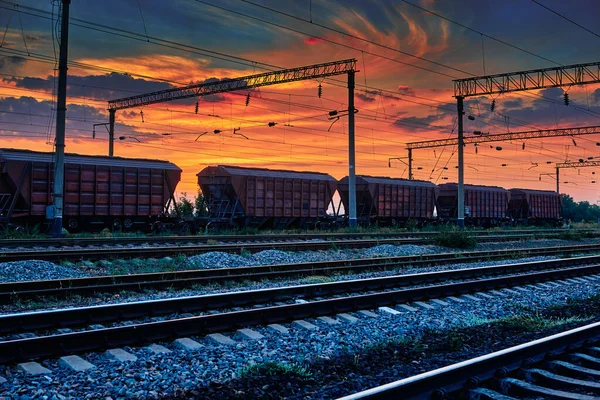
x,y
385,362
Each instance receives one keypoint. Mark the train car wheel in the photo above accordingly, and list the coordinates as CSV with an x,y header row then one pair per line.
x,y
158,227
184,229
128,223
72,223
116,224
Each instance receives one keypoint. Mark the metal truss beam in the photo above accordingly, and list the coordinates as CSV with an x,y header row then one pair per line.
x,y
244,82
569,75
586,130
578,164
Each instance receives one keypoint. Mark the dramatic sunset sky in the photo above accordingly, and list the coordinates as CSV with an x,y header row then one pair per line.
x,y
404,87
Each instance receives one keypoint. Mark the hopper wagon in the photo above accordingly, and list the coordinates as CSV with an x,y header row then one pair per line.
x,y
484,205
535,207
99,191
390,201
266,198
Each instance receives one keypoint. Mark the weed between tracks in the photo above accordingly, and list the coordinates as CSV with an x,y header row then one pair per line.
x,y
384,361
455,239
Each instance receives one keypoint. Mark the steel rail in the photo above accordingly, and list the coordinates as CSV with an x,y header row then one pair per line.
x,y
465,374
77,342
135,282
149,252
107,313
113,241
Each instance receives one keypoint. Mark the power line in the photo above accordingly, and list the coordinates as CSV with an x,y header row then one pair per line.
x,y
354,37
264,21
480,33
566,18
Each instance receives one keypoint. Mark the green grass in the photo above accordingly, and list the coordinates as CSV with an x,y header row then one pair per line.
x,y
315,279
271,368
28,232
455,239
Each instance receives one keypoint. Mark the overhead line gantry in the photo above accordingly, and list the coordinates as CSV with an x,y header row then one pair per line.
x,y
576,164
249,82
568,75
501,137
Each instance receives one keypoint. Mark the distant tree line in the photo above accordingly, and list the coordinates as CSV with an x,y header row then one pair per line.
x,y
579,212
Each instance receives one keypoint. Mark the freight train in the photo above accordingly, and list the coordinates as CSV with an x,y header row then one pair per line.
x,y
136,195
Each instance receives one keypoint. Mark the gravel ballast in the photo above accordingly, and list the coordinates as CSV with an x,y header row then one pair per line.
x,y
34,270
216,371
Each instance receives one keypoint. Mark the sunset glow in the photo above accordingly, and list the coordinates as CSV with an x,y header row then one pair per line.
x,y
401,97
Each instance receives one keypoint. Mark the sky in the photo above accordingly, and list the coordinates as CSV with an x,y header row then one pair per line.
x,y
407,52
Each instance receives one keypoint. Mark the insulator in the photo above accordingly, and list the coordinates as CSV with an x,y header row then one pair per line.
x,y
197,105
505,165
217,131
247,99
498,148
566,96
476,148
581,160
471,118
476,132
320,91
142,115
574,142
271,124
493,105
523,147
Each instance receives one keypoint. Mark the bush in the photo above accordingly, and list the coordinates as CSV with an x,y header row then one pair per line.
x,y
455,239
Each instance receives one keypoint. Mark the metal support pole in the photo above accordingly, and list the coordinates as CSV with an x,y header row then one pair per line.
x,y
351,162
461,167
410,174
111,132
557,180
61,111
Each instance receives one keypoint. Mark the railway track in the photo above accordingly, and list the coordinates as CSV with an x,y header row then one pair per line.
x,y
105,284
262,238
166,251
561,366
234,310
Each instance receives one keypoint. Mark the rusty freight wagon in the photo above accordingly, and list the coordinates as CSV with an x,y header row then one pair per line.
x,y
265,198
528,206
484,205
99,192
388,201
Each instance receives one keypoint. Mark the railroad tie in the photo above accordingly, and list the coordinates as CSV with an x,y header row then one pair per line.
x,y
368,313
328,320
75,363
219,338
278,328
347,317
300,323
120,355
471,297
34,368
250,334
391,311
187,344
424,305
157,349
